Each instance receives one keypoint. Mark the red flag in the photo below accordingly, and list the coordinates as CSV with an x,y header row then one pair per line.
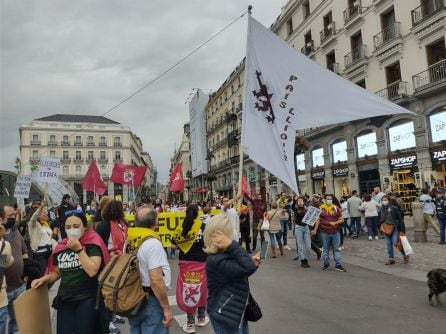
x,y
176,179
244,186
128,174
93,180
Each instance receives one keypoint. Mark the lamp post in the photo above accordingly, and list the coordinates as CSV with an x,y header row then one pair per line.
x,y
210,177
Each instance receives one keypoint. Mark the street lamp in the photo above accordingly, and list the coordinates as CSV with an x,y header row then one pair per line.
x,y
211,177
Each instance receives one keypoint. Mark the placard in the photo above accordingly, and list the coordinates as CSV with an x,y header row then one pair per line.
x,y
32,311
22,186
48,170
311,216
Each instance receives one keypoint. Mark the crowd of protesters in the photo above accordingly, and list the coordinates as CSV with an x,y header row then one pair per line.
x,y
73,243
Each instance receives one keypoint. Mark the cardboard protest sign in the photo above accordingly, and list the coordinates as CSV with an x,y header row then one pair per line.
x,y
22,186
48,170
311,216
32,311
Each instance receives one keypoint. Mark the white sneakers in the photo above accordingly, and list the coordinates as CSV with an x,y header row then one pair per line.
x,y
201,322
287,247
370,238
376,237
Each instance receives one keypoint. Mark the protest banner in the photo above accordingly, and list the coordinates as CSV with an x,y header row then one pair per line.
x,y
48,170
22,186
167,223
32,311
311,216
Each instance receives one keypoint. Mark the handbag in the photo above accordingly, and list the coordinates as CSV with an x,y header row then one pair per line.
x,y
253,311
387,228
265,223
408,250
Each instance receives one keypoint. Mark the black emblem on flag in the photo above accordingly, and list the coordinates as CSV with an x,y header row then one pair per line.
x,y
264,99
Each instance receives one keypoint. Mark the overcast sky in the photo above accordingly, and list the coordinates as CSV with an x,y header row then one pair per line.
x,y
84,57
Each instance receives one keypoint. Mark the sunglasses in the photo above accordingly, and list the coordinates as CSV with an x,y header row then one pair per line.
x,y
70,212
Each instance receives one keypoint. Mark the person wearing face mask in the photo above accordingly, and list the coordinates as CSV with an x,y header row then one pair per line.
x,y
41,236
77,261
329,221
302,232
60,213
391,216
15,284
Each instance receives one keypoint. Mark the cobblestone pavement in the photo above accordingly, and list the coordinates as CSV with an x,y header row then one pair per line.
x,y
372,254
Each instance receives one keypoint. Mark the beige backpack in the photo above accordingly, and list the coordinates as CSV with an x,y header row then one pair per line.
x,y
120,284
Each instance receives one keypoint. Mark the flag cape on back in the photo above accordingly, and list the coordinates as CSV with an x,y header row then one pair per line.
x,y
128,174
176,179
93,180
285,91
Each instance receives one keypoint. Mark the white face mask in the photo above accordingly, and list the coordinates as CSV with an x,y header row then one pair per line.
x,y
384,202
74,233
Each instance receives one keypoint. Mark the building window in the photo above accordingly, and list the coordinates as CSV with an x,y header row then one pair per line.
x,y
401,136
90,155
306,9
78,141
65,155
52,140
78,155
90,141
35,138
35,154
289,26
117,142
102,142
102,155
65,140
438,125
366,144
361,83
65,170
331,62
78,171
118,155
103,171
339,151
318,157
52,154
300,162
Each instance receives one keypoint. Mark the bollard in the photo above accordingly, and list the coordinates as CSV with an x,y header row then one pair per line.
x,y
419,229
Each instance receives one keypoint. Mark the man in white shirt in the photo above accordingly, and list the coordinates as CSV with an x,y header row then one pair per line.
x,y
429,211
156,316
232,215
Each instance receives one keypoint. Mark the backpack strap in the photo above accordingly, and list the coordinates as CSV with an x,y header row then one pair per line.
x,y
103,277
135,251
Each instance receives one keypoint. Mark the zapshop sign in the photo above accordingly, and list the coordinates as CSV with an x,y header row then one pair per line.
x,y
403,162
438,157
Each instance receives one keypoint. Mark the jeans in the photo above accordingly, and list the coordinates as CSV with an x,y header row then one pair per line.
x,y
332,240
255,233
391,241
3,318
79,317
221,329
346,227
149,319
284,230
355,225
442,222
303,241
372,226
12,295
273,236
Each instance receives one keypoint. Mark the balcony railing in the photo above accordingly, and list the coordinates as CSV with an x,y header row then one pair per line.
x,y
78,161
334,67
77,143
90,159
352,12
103,160
65,160
52,143
354,56
117,145
424,12
35,142
102,144
328,32
393,91
386,35
434,74
90,144
65,143
117,160
308,48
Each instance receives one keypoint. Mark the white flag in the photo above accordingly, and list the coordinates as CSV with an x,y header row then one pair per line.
x,y
285,91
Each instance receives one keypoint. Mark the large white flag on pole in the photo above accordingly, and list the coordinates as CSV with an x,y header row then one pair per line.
x,y
286,91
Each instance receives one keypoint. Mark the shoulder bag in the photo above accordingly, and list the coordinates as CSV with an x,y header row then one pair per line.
x,y
265,223
253,311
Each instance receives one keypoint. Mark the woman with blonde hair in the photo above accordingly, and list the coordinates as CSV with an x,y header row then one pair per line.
x,y
275,229
228,267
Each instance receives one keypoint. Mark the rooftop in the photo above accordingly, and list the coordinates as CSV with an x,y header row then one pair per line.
x,y
77,119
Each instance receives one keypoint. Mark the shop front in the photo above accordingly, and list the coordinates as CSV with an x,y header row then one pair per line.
x,y
341,181
318,178
438,157
405,178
